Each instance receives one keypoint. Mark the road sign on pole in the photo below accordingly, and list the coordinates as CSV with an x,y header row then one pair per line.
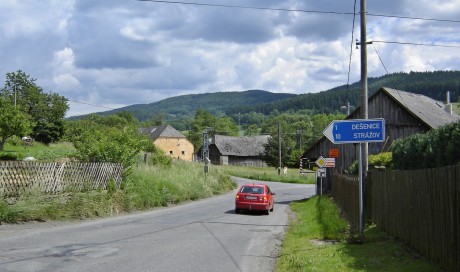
x,y
356,131
325,162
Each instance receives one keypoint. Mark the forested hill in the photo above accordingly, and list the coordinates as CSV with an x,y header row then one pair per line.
x,y
186,105
176,110
432,84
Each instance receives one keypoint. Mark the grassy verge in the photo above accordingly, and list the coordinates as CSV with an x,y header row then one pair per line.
x,y
456,107
15,149
317,240
268,174
147,187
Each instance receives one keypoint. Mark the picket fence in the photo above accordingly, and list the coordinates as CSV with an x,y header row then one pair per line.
x,y
19,176
420,207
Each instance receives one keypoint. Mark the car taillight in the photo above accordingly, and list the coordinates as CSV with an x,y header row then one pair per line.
x,y
265,199
237,197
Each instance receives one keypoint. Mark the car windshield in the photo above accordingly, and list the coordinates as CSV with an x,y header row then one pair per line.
x,y
252,190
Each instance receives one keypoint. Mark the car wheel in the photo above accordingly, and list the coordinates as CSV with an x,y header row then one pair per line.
x,y
273,207
267,212
237,210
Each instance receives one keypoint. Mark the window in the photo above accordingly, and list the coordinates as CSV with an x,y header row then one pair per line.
x,y
171,152
183,153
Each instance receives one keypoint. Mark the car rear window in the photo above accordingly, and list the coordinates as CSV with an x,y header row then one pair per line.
x,y
252,190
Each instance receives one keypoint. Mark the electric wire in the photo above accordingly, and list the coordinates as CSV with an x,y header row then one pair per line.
x,y
418,44
247,7
413,18
351,45
302,10
381,61
99,106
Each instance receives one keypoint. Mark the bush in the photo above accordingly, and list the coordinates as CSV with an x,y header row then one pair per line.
x,y
383,159
158,158
438,147
8,156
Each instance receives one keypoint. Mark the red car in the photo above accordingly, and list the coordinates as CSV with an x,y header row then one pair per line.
x,y
254,197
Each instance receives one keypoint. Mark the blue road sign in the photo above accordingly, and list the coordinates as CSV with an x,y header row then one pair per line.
x,y
356,131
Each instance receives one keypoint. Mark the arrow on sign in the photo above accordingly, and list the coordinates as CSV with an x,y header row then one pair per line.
x,y
356,131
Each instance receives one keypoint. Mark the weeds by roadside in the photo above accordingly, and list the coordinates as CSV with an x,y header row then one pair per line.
x,y
148,187
317,240
269,174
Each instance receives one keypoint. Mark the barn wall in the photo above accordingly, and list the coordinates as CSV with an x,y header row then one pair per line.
x,y
246,161
399,123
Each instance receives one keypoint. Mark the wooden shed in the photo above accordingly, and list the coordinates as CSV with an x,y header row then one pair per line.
x,y
244,151
405,114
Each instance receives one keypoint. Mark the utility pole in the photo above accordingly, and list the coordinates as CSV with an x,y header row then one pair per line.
x,y
363,148
279,148
364,87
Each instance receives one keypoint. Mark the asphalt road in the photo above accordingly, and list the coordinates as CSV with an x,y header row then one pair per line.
x,y
204,235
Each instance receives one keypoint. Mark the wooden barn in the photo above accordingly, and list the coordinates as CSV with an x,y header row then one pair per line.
x,y
404,113
244,151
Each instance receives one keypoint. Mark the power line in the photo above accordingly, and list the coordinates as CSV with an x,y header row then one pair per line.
x,y
248,7
418,44
413,18
381,61
301,10
351,45
90,104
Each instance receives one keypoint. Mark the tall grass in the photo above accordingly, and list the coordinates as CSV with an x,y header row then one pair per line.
x,y
152,186
269,174
318,240
15,149
148,187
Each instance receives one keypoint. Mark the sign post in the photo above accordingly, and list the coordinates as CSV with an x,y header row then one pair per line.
x,y
357,131
321,172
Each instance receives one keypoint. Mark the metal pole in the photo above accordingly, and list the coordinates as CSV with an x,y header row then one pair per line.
x,y
321,184
364,108
361,195
279,148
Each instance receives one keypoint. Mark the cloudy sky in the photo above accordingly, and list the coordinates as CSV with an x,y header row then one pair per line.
x,y
115,53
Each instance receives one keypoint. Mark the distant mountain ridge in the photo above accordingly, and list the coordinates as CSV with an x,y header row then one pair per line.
x,y
186,105
432,84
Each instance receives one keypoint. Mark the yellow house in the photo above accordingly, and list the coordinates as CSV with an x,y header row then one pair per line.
x,y
171,141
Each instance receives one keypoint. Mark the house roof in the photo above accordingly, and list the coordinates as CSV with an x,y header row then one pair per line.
x,y
167,131
430,111
241,146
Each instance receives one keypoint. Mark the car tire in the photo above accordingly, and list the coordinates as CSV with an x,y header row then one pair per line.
x,y
267,212
273,207
237,210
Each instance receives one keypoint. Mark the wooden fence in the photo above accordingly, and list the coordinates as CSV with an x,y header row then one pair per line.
x,y
18,176
420,207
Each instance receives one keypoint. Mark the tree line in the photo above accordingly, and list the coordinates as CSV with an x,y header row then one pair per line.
x,y
26,109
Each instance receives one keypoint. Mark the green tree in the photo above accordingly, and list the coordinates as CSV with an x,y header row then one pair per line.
x,y
298,131
251,130
12,122
100,143
214,125
47,110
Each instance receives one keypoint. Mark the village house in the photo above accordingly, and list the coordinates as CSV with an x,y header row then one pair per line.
x,y
243,151
171,141
404,113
